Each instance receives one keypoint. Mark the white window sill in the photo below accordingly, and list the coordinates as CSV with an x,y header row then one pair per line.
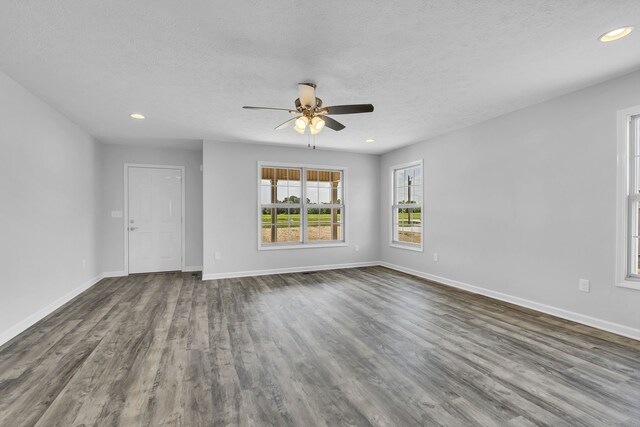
x,y
629,284
302,246
415,248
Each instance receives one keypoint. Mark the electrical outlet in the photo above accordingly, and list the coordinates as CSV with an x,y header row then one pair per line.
x,y
357,248
217,256
583,285
435,256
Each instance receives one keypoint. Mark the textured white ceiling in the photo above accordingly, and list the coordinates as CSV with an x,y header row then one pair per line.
x,y
429,67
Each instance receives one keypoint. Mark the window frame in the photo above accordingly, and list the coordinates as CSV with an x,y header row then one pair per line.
x,y
627,182
392,174
304,243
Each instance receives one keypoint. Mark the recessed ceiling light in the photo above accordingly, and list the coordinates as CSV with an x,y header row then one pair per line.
x,y
137,116
371,140
616,34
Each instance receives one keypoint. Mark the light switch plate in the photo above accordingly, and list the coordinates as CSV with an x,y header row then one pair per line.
x,y
583,285
116,214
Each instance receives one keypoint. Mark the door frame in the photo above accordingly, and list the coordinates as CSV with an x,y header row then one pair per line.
x,y
126,210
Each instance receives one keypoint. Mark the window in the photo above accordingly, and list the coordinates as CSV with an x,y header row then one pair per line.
x,y
628,197
407,220
300,206
632,201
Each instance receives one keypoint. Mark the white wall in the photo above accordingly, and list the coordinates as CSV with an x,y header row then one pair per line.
x,y
112,158
48,211
231,209
525,204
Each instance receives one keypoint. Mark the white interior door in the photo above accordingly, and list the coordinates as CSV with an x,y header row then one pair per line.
x,y
155,219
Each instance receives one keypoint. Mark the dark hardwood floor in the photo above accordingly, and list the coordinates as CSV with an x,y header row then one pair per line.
x,y
366,346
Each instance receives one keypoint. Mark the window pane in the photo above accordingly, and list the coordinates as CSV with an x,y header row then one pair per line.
x,y
417,178
283,193
294,195
280,176
336,187
295,233
312,194
401,195
399,178
416,194
324,192
313,232
634,268
266,216
267,234
294,217
408,231
325,231
265,195
294,177
266,175
324,186
312,176
268,229
411,194
409,174
336,216
283,233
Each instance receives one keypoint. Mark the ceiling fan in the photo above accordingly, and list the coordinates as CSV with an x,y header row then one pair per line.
x,y
310,112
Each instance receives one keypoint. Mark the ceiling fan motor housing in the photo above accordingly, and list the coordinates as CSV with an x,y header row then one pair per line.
x,y
301,107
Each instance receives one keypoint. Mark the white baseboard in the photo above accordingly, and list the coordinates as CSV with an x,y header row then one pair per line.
x,y
214,276
192,268
114,274
594,322
23,325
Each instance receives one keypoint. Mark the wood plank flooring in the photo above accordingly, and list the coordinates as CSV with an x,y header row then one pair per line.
x,y
365,346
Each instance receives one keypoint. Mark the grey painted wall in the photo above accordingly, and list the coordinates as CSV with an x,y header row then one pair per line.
x,y
525,204
49,189
230,208
112,158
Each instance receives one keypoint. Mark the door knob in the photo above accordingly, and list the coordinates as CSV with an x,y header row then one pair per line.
x,y
133,228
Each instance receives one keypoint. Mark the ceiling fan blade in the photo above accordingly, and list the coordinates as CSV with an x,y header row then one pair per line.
x,y
287,123
307,94
332,124
269,108
347,109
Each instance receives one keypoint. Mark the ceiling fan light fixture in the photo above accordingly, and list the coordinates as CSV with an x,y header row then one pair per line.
x,y
616,34
317,123
299,130
302,122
